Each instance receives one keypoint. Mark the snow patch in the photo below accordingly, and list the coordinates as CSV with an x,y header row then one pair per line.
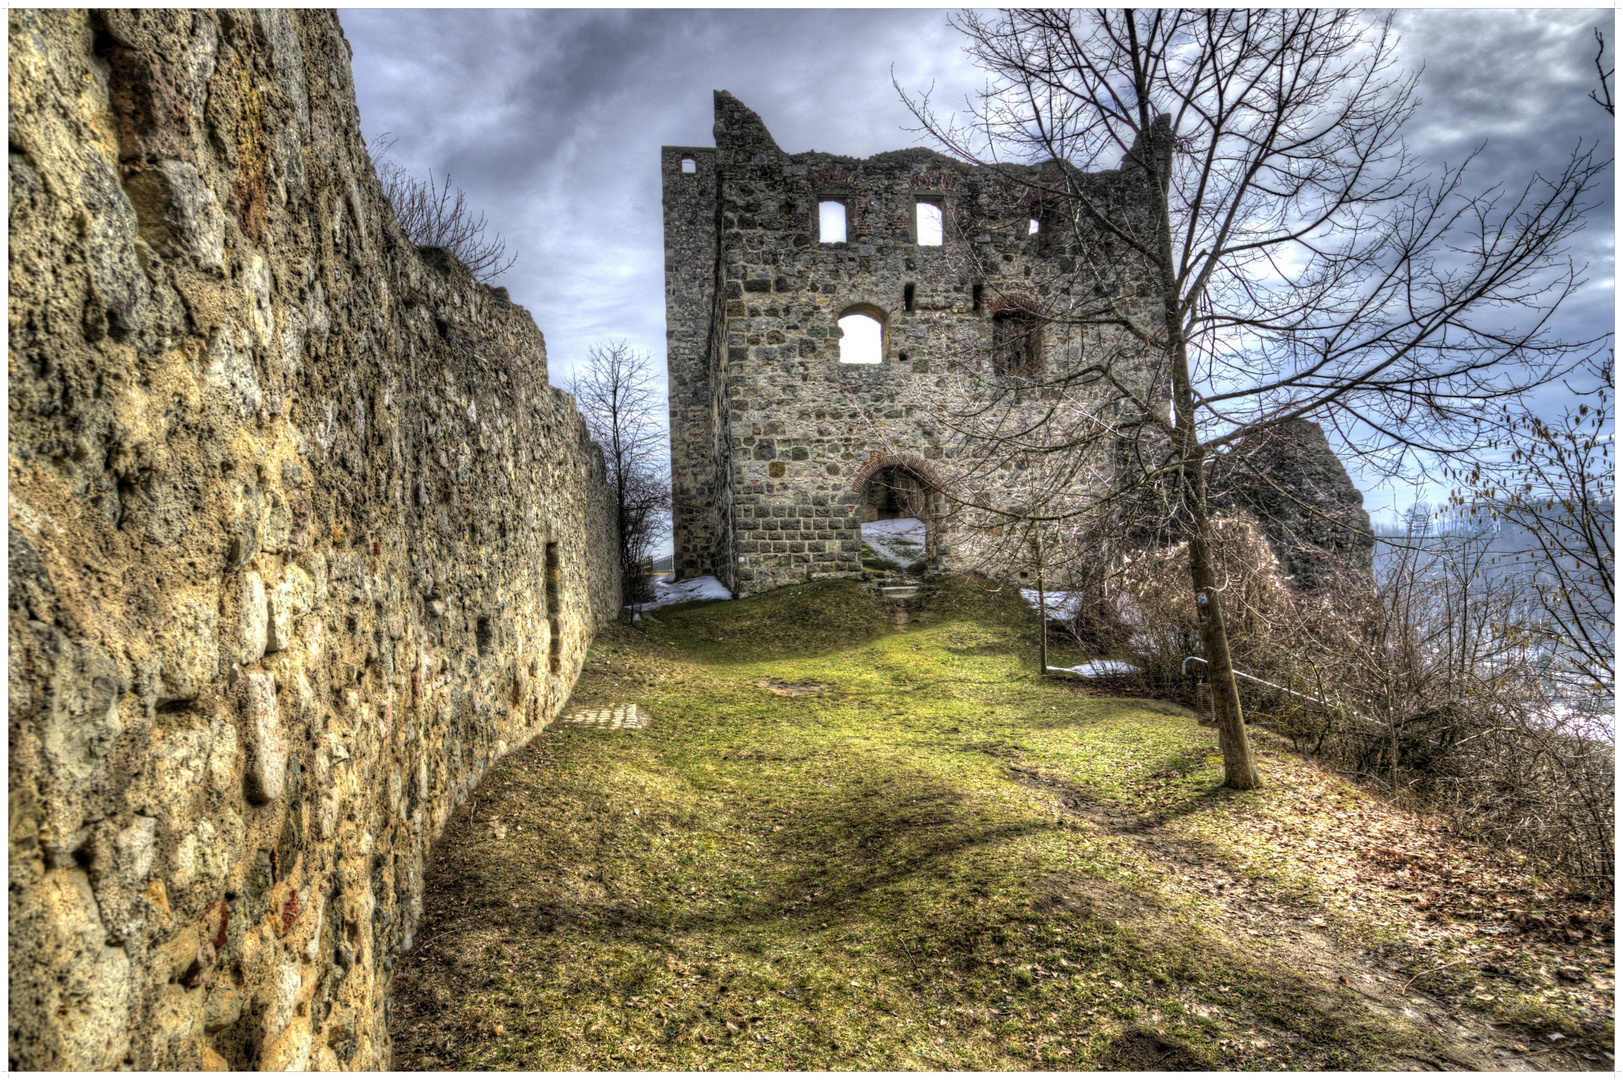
x,y
681,592
1060,605
1099,669
900,540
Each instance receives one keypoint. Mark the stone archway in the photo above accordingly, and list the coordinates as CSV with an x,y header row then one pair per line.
x,y
898,489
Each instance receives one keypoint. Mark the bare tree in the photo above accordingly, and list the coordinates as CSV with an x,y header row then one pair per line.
x,y
433,215
1299,263
1553,499
619,399
1603,96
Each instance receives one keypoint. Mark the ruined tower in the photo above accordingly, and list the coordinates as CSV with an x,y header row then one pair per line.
x,y
780,269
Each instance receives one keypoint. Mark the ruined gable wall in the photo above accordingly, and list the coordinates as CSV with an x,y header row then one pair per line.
x,y
282,496
700,479
805,430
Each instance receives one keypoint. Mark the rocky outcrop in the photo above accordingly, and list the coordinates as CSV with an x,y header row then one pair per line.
x,y
301,541
1290,480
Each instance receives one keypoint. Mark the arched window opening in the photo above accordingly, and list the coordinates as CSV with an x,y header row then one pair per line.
x,y
1016,345
831,221
929,225
862,339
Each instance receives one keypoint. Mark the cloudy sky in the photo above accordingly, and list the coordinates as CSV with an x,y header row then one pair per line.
x,y
552,121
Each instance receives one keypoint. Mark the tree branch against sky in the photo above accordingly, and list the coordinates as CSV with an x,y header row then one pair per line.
x,y
1307,266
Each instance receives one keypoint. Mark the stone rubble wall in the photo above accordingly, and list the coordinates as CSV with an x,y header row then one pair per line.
x,y
301,541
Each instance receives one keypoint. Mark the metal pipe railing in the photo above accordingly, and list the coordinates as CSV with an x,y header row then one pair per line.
x,y
1184,668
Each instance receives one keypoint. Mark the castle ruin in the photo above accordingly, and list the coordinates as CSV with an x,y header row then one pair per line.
x,y
779,270
814,301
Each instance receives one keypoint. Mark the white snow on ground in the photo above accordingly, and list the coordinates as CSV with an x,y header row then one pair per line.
x,y
680,592
901,540
1099,669
1061,605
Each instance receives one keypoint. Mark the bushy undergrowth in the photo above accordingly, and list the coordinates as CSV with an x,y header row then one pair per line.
x,y
1421,685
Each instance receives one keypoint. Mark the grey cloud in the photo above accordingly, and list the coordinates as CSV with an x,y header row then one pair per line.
x,y
552,121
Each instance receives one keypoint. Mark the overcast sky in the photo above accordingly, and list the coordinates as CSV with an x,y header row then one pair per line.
x,y
552,121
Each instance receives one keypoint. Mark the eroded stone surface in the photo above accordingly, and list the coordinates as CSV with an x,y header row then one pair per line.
x,y
248,422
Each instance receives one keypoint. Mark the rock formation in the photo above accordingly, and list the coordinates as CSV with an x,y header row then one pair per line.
x,y
301,541
1290,480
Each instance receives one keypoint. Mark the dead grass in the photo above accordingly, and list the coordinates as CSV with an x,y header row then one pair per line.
x,y
935,861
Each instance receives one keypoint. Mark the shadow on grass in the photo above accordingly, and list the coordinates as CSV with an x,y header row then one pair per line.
x,y
864,850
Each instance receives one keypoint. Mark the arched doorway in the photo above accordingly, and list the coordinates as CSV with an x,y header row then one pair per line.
x,y
898,515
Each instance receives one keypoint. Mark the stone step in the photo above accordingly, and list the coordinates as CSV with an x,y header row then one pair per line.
x,y
899,592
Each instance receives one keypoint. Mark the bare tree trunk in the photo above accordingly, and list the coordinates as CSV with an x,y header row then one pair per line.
x,y
1042,607
1239,770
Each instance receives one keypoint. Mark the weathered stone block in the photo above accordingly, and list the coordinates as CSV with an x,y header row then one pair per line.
x,y
83,718
179,214
267,749
283,605
253,613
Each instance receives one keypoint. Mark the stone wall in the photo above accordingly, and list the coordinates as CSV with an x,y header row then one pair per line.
x,y
772,437
301,541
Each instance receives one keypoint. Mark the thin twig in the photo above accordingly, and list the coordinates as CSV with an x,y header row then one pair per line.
x,y
1433,971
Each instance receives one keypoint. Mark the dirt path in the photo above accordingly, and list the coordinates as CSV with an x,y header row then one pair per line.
x,y
1292,934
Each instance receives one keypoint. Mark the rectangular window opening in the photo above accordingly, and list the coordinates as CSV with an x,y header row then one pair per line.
x,y
1016,345
689,165
1034,228
831,221
907,297
975,298
929,225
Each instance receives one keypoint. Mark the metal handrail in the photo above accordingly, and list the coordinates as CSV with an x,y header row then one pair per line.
x,y
1184,668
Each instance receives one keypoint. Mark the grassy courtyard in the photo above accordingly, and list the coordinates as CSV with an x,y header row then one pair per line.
x,y
846,841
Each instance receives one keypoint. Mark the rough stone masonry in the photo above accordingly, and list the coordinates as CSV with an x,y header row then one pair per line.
x,y
780,451
301,541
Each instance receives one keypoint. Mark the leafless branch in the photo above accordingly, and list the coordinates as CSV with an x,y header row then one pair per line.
x,y
433,215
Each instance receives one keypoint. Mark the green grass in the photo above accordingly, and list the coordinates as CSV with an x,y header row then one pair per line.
x,y
851,877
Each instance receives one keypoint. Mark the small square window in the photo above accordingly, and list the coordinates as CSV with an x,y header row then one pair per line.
x,y
929,225
831,221
689,165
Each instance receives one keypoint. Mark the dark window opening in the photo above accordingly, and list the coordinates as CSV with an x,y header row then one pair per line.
x,y
1016,345
555,642
975,298
907,297
484,635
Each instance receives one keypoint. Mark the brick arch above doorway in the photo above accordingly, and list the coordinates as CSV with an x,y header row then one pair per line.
x,y
908,462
